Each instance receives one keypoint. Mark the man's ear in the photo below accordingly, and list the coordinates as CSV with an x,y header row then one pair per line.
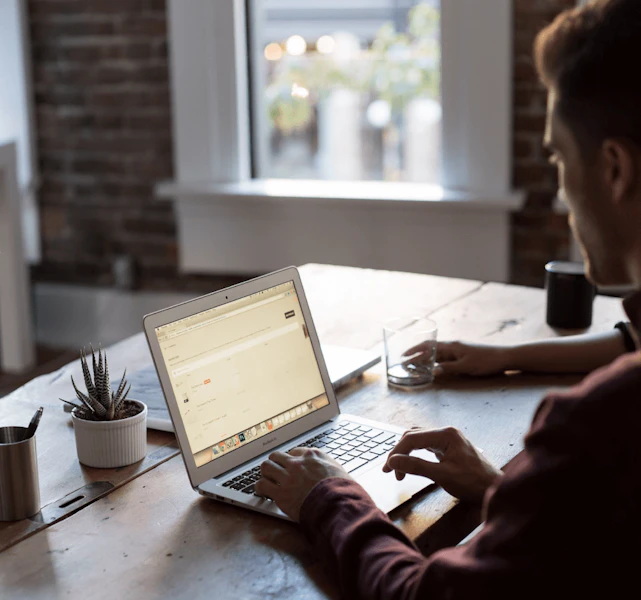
x,y
620,169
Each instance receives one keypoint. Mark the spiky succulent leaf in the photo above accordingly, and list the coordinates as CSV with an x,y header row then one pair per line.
x,y
87,415
100,367
119,404
93,359
99,376
81,396
121,387
79,406
105,393
106,396
91,389
91,403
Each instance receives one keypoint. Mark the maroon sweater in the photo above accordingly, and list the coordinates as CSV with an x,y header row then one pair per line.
x,y
563,522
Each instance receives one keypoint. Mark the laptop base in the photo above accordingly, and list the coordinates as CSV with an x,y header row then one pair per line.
x,y
384,489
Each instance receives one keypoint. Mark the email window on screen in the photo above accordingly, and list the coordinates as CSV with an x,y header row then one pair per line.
x,y
241,370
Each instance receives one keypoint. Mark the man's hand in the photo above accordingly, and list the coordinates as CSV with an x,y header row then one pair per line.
x,y
288,478
462,470
457,358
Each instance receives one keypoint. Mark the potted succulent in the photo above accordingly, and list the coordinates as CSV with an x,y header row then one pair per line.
x,y
110,429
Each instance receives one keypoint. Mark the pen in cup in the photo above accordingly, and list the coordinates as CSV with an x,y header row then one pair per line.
x,y
33,425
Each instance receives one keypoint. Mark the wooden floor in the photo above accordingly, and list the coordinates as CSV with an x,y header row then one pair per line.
x,y
48,359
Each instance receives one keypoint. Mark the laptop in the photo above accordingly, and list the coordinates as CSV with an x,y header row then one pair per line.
x,y
243,374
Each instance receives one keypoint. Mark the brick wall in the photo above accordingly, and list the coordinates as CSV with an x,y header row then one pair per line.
x,y
104,138
103,117
538,234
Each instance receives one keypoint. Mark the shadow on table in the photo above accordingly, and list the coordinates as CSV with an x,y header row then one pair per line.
x,y
35,578
243,554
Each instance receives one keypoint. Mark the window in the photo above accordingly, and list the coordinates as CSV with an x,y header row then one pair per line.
x,y
249,198
212,96
346,90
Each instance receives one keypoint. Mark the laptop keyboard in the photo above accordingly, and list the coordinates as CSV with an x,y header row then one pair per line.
x,y
350,444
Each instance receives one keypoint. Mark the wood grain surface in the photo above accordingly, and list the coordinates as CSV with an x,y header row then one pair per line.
x,y
349,306
156,537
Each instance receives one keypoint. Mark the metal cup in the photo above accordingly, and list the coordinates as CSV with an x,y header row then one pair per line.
x,y
19,489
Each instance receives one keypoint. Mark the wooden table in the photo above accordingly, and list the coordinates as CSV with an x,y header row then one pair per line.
x,y
141,531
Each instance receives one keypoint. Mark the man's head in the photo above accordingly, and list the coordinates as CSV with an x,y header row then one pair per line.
x,y
589,58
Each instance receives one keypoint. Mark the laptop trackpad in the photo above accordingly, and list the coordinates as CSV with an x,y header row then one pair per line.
x,y
386,491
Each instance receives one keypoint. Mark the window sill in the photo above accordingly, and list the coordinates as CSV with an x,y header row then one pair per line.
x,y
361,193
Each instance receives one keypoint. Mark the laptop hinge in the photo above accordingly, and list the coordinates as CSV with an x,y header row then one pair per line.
x,y
302,435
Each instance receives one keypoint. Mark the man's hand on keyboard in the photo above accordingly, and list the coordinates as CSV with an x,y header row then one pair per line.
x,y
287,478
461,469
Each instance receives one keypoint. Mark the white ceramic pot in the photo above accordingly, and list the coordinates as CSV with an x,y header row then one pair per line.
x,y
111,444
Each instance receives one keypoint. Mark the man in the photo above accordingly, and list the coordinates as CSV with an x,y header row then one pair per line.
x,y
564,520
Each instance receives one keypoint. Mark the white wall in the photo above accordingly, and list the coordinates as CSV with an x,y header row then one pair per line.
x,y
16,113
239,236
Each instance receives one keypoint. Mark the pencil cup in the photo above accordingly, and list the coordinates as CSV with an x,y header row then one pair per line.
x,y
19,489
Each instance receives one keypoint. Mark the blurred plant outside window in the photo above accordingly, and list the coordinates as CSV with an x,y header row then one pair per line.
x,y
340,107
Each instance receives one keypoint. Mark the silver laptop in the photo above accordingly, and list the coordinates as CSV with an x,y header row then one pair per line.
x,y
243,375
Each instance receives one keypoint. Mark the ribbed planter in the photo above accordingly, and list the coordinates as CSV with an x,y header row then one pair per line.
x,y
111,444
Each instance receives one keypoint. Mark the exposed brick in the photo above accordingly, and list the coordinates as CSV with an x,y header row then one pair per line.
x,y
101,83
56,30
53,222
80,270
522,149
151,222
530,123
141,50
146,122
532,175
538,233
529,99
541,199
524,70
150,95
148,25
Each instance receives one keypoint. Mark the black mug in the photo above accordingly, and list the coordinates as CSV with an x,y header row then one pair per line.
x,y
569,295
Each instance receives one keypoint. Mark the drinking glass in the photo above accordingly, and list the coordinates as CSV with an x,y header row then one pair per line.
x,y
410,351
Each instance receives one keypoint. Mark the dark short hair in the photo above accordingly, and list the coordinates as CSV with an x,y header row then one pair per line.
x,y
591,57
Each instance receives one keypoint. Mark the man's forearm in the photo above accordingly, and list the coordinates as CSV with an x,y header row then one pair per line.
x,y
571,354
371,557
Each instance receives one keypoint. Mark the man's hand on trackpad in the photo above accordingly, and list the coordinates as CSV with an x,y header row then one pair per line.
x,y
461,469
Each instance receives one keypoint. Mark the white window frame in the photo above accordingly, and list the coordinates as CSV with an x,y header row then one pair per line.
x,y
212,149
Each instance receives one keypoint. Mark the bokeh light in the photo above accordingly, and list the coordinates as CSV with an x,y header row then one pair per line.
x,y
325,44
298,91
273,51
296,45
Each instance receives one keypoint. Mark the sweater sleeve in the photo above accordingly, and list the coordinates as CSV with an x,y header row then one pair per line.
x,y
371,557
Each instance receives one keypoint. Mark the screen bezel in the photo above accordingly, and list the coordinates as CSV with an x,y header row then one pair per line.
x,y
226,462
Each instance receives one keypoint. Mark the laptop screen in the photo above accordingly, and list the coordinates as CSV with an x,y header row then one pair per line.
x,y
241,370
